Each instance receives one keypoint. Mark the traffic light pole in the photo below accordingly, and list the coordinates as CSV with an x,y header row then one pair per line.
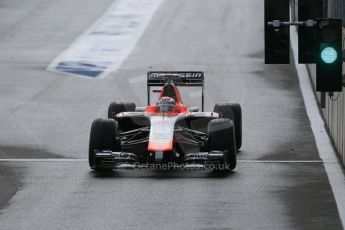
x,y
292,10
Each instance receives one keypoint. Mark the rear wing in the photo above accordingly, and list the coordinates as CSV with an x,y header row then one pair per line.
x,y
179,78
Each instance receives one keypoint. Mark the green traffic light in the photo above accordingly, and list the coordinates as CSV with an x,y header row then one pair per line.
x,y
329,55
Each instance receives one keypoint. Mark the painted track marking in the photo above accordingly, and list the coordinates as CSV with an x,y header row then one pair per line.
x,y
85,160
108,42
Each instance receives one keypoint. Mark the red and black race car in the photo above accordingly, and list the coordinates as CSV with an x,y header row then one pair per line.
x,y
167,132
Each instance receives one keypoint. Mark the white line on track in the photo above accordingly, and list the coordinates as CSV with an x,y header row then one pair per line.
x,y
85,160
108,42
324,145
280,161
42,160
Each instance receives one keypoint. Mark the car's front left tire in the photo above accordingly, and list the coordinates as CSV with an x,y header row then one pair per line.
x,y
102,137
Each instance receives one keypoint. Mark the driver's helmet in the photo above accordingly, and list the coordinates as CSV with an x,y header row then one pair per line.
x,y
166,104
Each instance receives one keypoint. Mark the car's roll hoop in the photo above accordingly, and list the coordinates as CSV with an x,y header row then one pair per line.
x,y
178,78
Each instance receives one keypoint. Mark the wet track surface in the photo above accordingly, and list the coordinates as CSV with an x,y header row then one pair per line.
x,y
266,196
48,115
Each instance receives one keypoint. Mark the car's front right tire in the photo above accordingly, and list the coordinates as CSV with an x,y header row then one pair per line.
x,y
102,137
232,111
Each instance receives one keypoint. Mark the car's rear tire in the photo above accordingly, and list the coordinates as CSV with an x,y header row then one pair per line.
x,y
119,107
232,111
102,137
221,136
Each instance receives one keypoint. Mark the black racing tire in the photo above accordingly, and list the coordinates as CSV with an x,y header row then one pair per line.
x,y
119,107
102,137
232,111
221,137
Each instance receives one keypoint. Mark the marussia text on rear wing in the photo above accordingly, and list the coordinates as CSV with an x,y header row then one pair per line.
x,y
190,78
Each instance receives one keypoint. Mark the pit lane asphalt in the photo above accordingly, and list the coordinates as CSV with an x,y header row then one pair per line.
x,y
47,115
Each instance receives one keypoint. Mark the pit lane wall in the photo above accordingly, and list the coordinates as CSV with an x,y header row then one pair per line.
x,y
334,112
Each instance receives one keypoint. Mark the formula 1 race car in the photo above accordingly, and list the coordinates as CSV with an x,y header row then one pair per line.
x,y
167,132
